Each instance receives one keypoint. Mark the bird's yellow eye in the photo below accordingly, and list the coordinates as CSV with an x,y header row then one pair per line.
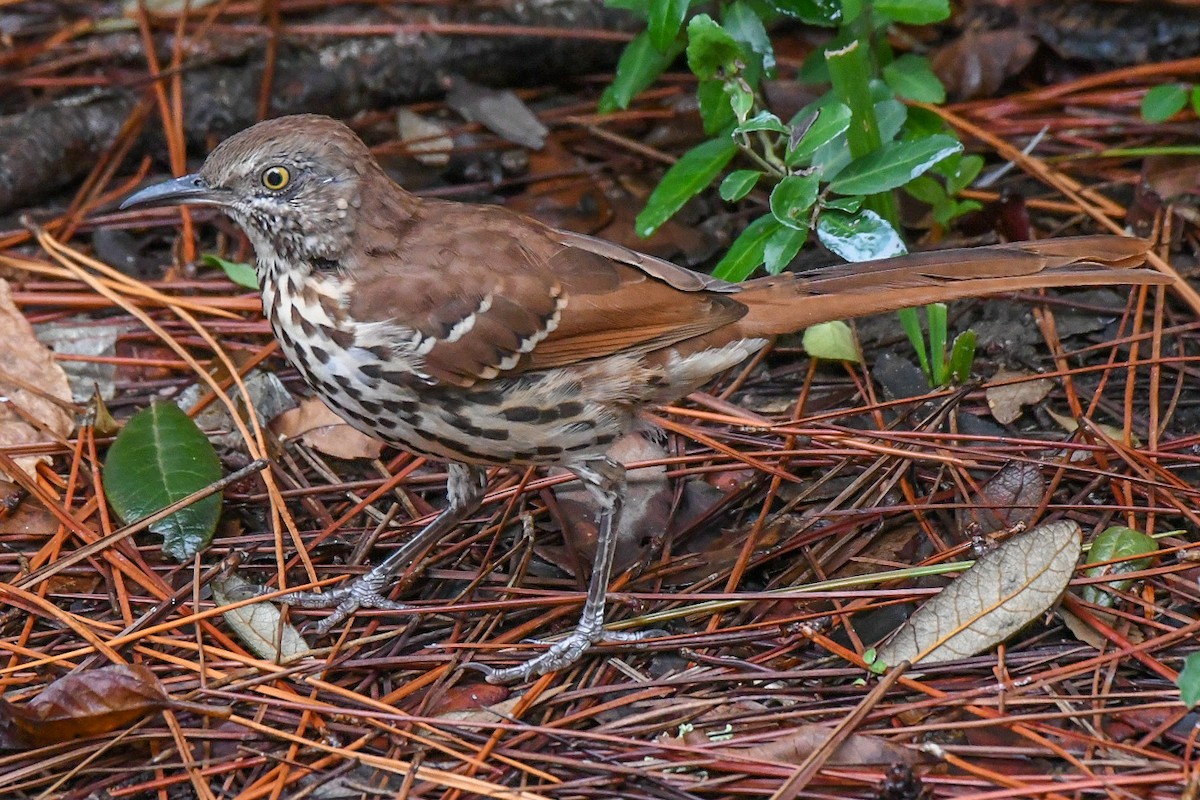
x,y
275,178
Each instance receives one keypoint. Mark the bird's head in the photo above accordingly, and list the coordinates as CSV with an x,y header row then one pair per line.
x,y
294,184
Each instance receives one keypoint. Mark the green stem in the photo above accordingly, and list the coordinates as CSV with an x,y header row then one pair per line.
x,y
850,74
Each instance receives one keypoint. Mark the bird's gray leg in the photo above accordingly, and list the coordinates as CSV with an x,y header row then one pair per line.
x,y
605,479
465,490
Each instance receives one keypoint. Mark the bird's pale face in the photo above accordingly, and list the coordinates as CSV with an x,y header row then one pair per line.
x,y
296,196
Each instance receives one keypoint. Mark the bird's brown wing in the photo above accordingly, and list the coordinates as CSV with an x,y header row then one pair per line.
x,y
492,293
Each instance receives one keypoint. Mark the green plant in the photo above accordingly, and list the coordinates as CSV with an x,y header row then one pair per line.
x,y
833,168
1168,99
939,370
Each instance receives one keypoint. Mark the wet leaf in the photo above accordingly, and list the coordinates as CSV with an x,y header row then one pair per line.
x,y
85,704
259,626
1003,592
832,120
159,458
792,199
864,236
1010,497
1117,542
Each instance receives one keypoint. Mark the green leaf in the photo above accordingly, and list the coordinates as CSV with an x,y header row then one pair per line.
x,y
833,117
833,341
1196,100
1189,681
848,204
640,65
694,171
763,121
746,252
1165,101
1114,543
159,458
710,48
914,12
968,170
935,315
782,247
715,108
893,165
912,78
826,13
852,9
962,357
239,272
792,198
746,26
911,323
741,99
738,184
927,190
864,236
665,20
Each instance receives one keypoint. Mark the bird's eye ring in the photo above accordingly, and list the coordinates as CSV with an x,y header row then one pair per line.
x,y
276,177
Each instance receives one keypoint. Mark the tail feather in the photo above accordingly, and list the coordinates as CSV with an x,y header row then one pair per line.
x,y
789,302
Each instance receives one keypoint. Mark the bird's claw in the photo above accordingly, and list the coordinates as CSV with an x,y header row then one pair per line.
x,y
562,653
362,592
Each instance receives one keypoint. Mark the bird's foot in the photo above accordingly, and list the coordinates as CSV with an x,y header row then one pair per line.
x,y
362,592
562,653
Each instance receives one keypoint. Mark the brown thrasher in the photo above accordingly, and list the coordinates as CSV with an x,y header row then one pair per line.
x,y
478,336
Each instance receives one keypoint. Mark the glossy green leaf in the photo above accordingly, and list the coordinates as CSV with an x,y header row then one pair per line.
x,y
763,121
832,119
864,236
159,458
688,176
914,12
1117,542
1189,681
782,247
710,48
893,165
738,184
664,21
968,170
239,272
792,199
913,79
826,13
745,25
936,317
746,252
850,205
1164,101
639,66
833,341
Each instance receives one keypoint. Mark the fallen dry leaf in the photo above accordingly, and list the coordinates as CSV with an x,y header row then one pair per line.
x,y
1009,497
978,62
82,704
1007,401
259,626
321,429
29,376
1003,592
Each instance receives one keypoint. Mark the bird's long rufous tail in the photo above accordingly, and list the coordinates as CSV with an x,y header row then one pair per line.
x,y
793,301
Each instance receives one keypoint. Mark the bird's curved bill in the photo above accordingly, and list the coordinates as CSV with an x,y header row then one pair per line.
x,y
188,190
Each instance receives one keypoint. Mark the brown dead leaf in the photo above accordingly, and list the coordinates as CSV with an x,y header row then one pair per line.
x,y
1007,401
29,377
978,62
800,743
83,704
1003,592
321,429
1009,497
